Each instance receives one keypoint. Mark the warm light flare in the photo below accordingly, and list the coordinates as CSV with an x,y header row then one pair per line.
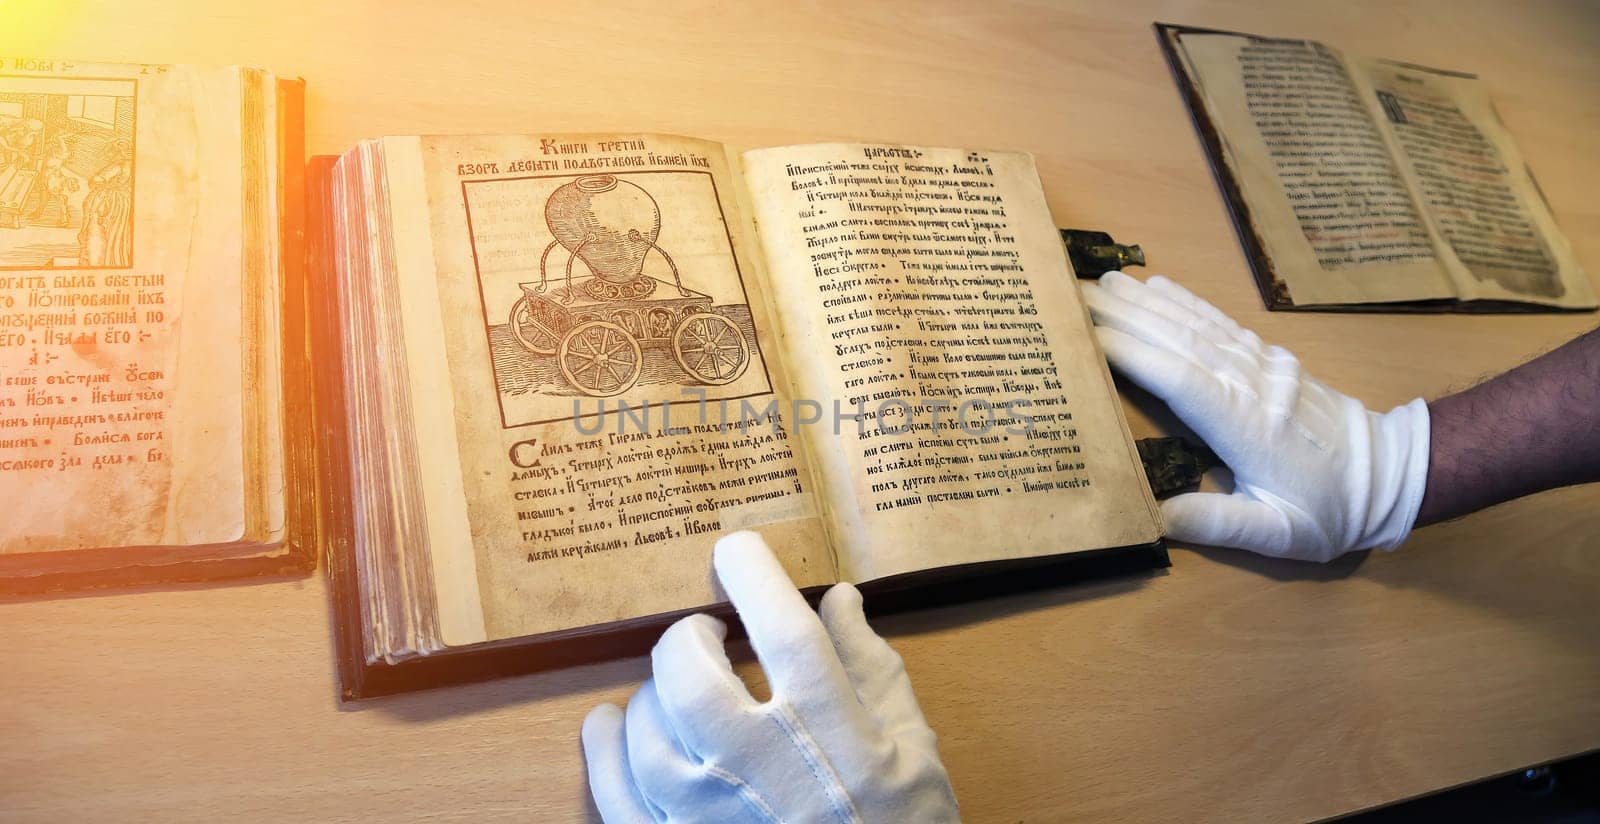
x,y
38,28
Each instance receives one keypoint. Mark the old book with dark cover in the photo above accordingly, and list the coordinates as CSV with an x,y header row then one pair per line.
x,y
553,368
151,220
1370,185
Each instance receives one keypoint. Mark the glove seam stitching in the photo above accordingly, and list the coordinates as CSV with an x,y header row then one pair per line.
x,y
747,793
843,809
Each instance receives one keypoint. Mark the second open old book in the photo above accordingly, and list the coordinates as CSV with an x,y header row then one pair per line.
x,y
566,363
149,242
1371,185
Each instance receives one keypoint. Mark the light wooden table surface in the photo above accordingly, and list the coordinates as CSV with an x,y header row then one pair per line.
x,y
1229,688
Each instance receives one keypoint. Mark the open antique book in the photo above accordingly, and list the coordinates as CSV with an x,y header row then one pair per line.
x,y
148,217
570,361
1370,185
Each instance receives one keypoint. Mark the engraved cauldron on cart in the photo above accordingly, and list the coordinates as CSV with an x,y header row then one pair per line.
x,y
604,310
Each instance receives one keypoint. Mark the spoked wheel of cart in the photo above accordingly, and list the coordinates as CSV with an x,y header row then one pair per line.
x,y
600,358
530,331
711,348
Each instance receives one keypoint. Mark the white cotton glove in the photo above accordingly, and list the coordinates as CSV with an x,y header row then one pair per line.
x,y
1316,473
842,739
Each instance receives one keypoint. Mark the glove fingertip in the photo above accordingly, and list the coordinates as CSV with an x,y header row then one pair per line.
x,y
1163,281
841,596
691,632
600,727
1182,515
1090,291
861,649
1116,275
737,548
842,607
750,572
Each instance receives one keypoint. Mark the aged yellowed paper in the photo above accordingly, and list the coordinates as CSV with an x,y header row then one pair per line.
x,y
1493,229
572,274
1327,197
120,274
927,296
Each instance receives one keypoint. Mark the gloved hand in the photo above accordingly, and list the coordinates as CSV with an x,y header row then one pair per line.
x,y
1316,473
841,740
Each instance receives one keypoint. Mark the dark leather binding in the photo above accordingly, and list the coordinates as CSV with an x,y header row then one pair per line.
x,y
1273,291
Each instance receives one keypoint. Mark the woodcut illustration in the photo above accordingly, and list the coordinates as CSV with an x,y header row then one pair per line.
x,y
610,285
66,172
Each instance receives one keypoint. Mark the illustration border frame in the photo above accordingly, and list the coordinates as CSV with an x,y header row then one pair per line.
x,y
483,306
133,179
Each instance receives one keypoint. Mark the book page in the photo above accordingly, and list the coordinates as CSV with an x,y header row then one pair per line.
x,y
930,316
121,360
598,314
1325,194
1498,236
